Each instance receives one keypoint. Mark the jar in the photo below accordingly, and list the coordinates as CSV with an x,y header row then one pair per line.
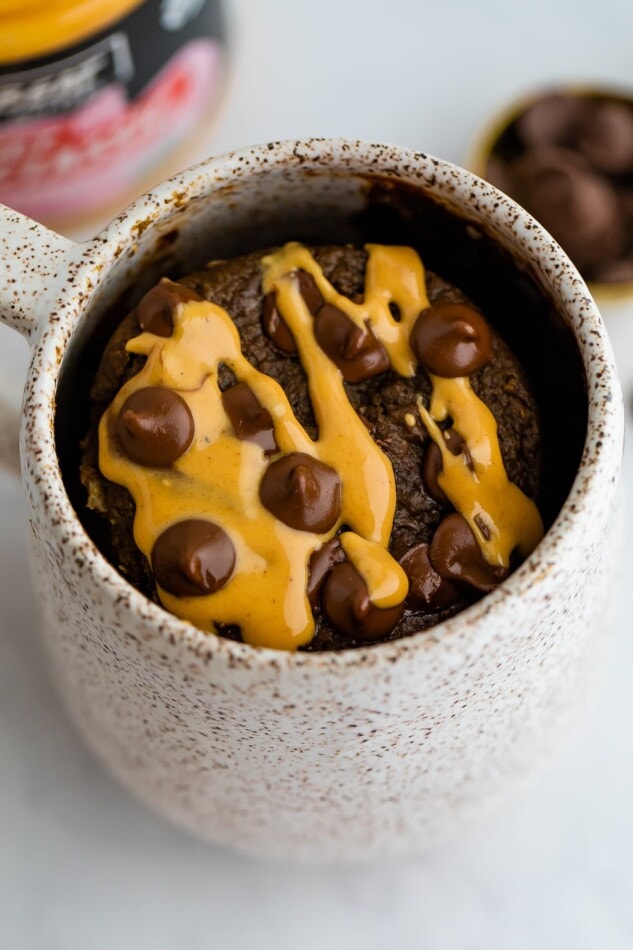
x,y
99,99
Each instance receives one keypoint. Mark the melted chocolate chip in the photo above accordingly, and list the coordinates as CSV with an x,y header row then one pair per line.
x,y
274,324
356,351
276,327
427,588
302,492
320,564
432,463
155,426
451,339
309,291
249,418
155,311
346,603
456,555
193,558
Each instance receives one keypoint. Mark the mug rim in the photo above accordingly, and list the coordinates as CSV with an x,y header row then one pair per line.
x,y
520,232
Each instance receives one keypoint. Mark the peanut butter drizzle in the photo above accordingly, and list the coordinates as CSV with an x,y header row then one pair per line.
x,y
218,477
393,275
500,515
387,587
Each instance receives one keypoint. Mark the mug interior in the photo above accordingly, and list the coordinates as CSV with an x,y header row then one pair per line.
x,y
320,205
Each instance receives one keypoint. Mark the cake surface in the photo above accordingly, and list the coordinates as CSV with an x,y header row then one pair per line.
x,y
393,407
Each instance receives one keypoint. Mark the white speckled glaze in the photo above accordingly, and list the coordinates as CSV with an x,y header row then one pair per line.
x,y
330,756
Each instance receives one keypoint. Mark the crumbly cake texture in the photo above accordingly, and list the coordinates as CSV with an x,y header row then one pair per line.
x,y
386,403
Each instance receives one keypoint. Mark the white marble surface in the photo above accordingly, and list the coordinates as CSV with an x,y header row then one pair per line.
x,y
82,865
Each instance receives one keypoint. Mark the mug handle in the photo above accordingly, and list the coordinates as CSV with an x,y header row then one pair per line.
x,y
33,262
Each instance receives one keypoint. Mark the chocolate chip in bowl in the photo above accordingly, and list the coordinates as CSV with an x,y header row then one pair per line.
x,y
566,155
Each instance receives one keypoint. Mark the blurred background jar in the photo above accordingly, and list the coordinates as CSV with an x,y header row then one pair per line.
x,y
100,99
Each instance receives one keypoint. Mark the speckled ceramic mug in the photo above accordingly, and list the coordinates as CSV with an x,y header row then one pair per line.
x,y
331,756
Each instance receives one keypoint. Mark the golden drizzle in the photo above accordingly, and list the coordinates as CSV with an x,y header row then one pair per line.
x,y
218,478
387,587
500,515
393,275
344,441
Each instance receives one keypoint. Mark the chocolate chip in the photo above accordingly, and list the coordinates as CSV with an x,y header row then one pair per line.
x,y
347,605
578,206
302,492
432,463
451,339
551,120
276,327
456,555
193,558
155,426
155,311
309,291
427,588
249,418
606,137
355,350
320,564
568,158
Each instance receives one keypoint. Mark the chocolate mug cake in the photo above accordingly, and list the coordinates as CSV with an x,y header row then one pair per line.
x,y
303,755
313,447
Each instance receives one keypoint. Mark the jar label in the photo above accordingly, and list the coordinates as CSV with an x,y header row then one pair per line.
x,y
78,129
